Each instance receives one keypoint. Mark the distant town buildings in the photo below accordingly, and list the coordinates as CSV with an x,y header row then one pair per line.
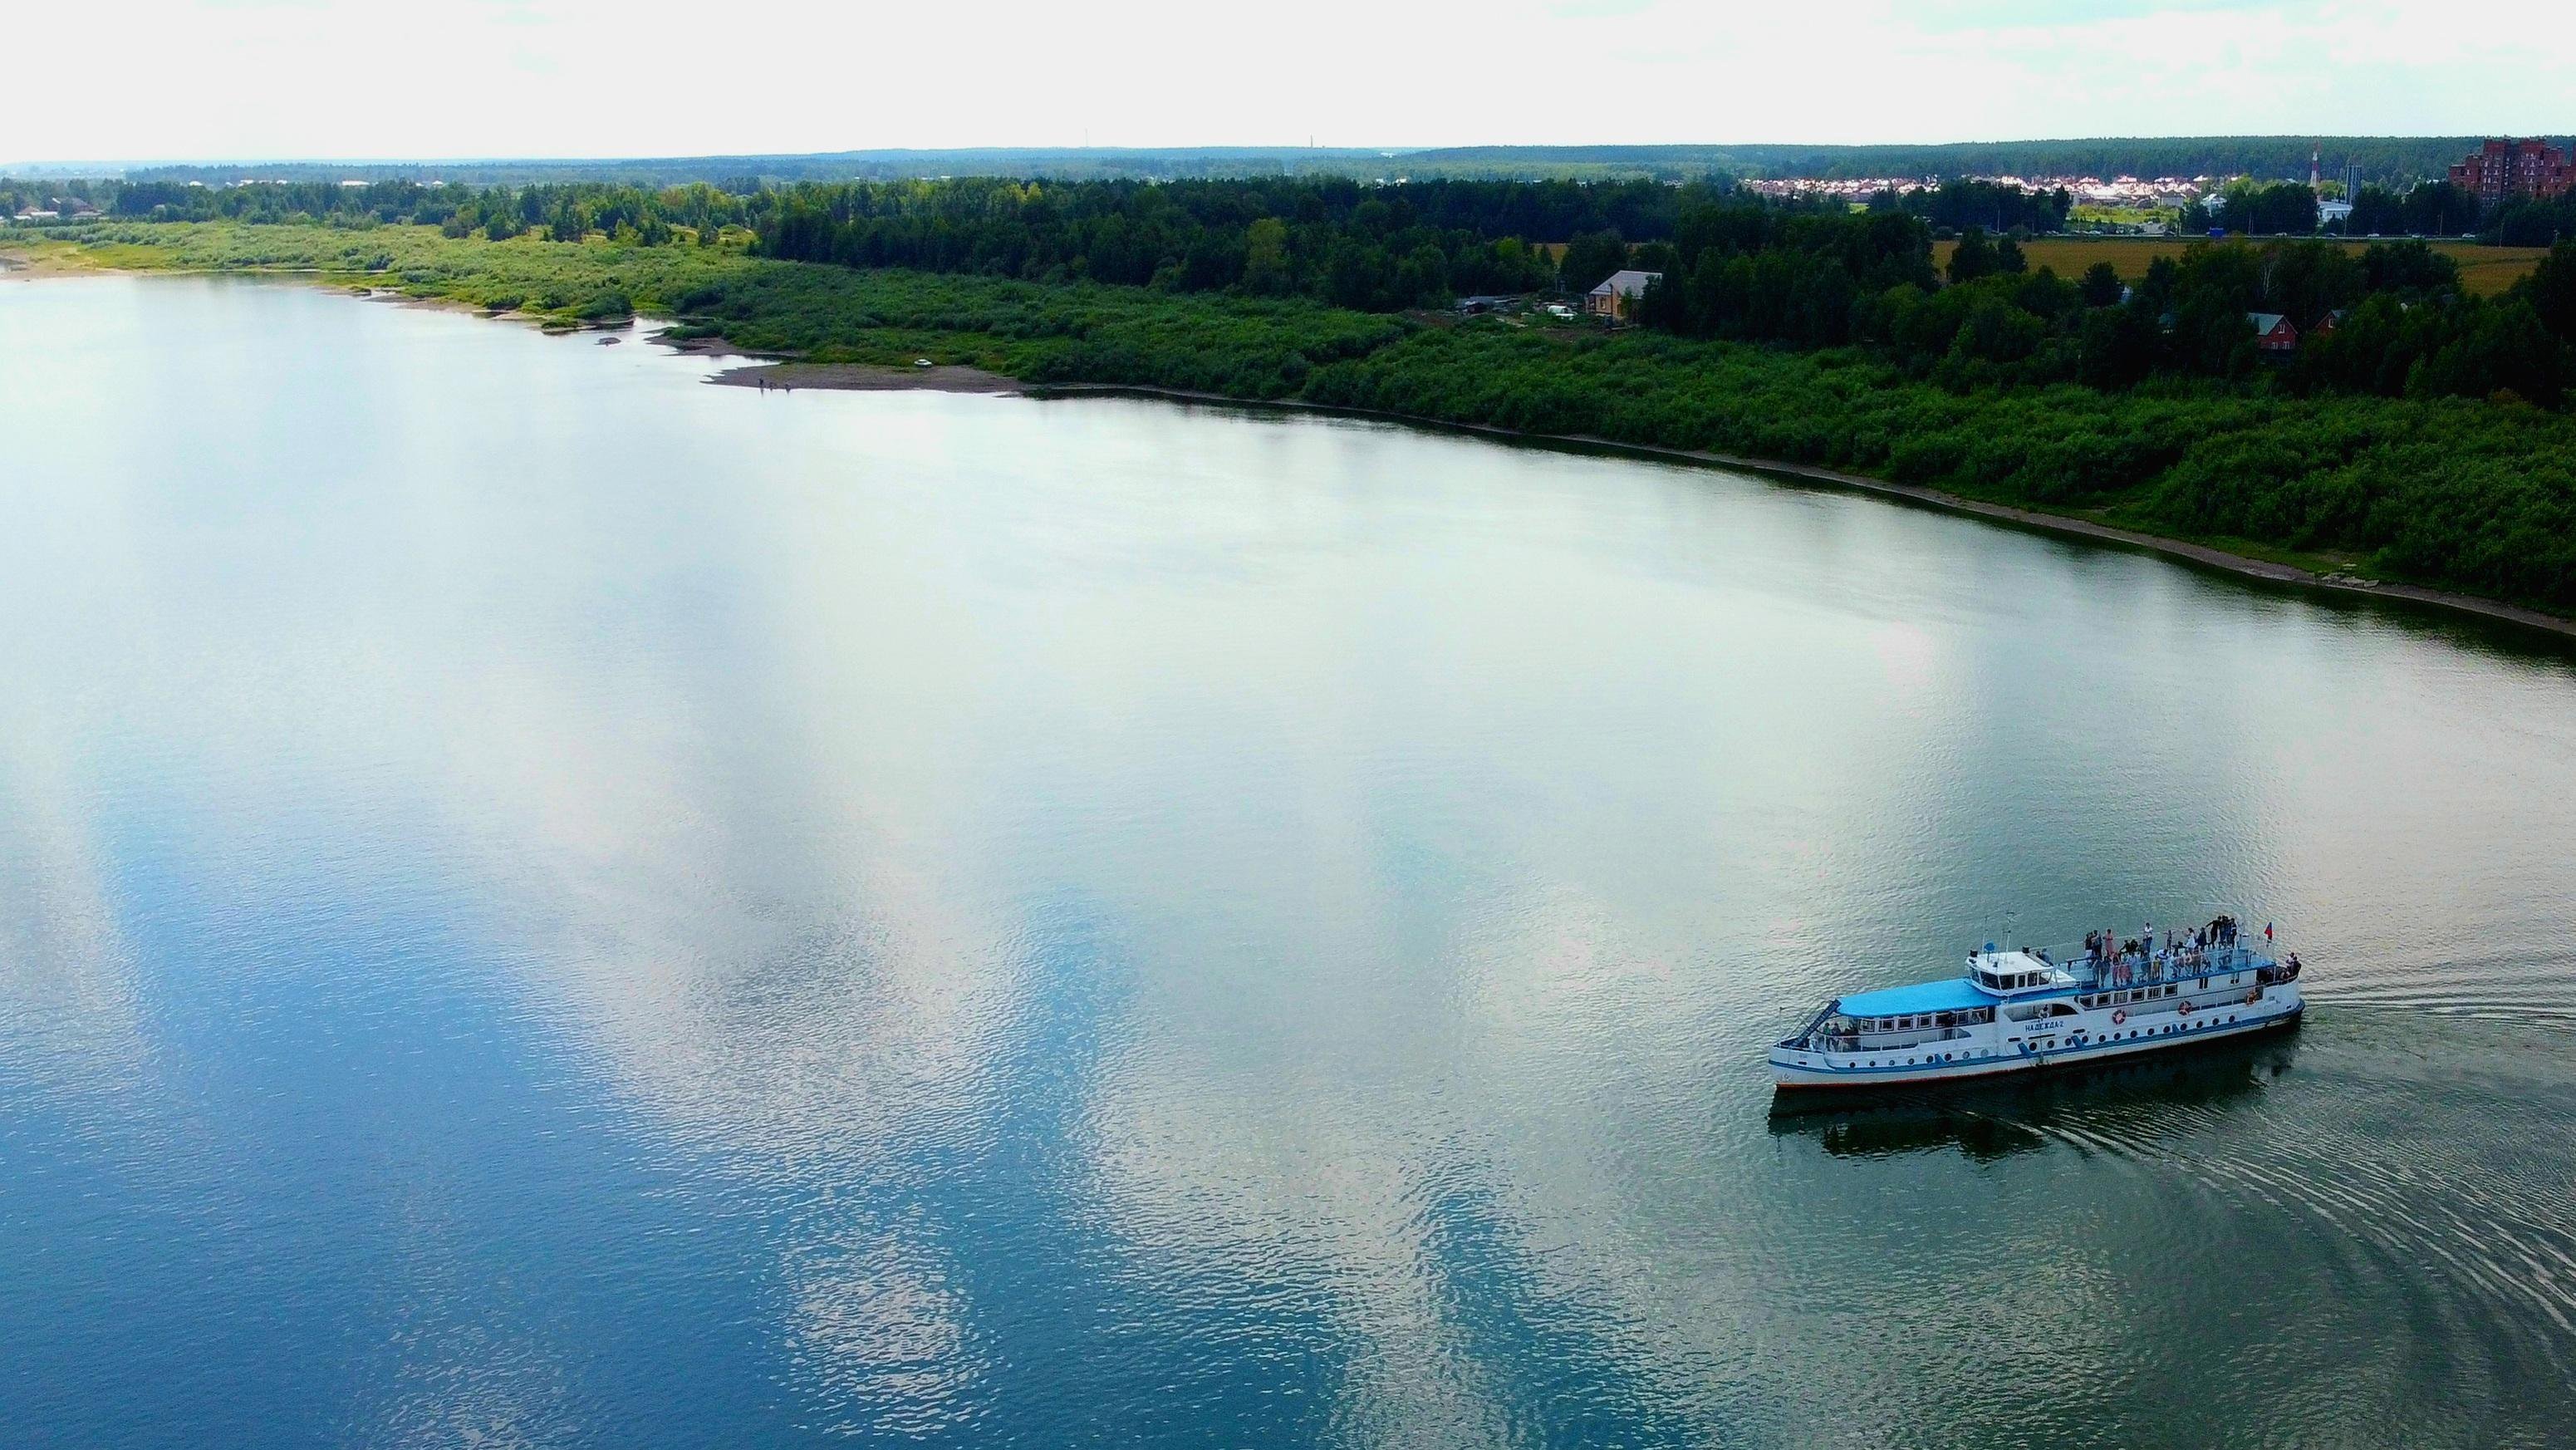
x,y
2507,168
2127,192
74,208
1617,295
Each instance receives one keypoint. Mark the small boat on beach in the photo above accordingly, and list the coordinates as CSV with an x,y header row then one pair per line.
x,y
2027,1008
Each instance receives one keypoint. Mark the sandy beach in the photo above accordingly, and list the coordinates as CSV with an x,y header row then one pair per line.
x,y
868,378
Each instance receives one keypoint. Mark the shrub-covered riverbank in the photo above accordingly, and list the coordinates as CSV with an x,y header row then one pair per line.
x,y
2469,495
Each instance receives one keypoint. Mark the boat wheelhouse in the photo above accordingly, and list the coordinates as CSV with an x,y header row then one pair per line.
x,y
2027,1008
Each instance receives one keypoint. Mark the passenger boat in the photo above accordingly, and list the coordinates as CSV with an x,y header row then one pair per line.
x,y
2026,1008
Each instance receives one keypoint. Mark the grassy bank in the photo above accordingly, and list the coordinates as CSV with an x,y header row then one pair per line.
x,y
2464,495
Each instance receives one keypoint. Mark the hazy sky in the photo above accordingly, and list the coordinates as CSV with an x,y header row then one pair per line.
x,y
363,78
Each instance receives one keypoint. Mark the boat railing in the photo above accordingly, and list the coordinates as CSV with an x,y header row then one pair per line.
x,y
2179,965
2179,962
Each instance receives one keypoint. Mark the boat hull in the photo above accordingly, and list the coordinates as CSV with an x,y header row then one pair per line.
x,y
1804,1071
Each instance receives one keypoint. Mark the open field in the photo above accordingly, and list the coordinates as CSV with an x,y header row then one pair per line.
x,y
2486,270
2127,216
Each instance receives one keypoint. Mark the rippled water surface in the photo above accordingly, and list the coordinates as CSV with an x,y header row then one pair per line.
x,y
546,903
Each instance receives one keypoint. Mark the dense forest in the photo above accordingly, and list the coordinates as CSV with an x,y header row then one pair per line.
x,y
1366,247
2391,320
2395,318
1963,202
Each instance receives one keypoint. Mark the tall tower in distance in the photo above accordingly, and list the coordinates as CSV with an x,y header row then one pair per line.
x,y
2316,156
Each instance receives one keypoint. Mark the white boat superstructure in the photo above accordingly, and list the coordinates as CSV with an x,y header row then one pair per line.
x,y
2025,1008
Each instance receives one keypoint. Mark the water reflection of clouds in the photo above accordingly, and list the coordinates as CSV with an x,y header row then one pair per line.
x,y
879,1338
66,966
793,1060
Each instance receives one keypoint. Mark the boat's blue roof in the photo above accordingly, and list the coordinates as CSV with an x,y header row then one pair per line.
x,y
1951,994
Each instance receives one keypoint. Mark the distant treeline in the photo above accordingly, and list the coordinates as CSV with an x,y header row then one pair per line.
x,y
750,172
562,213
2391,161
1534,211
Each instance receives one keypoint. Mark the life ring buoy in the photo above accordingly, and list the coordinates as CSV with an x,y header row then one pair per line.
x,y
2184,1009
2254,997
2119,1017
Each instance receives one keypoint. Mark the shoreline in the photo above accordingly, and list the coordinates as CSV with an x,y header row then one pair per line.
x,y
760,368
2204,555
954,378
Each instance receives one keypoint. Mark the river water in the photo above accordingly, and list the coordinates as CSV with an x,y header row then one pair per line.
x,y
546,903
